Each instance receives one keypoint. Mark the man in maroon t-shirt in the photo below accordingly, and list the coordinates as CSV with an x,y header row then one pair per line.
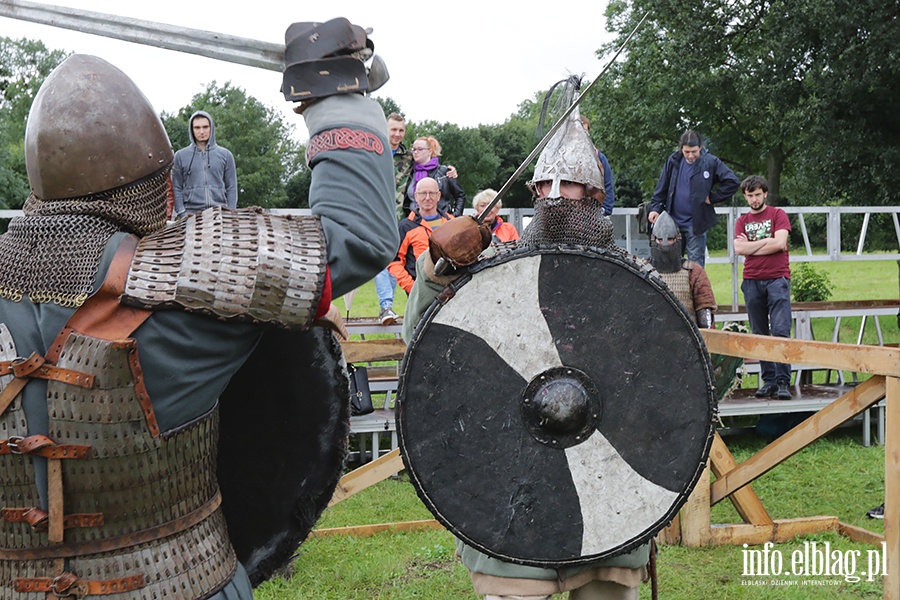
x,y
761,236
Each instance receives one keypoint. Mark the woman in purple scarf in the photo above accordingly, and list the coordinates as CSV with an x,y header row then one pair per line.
x,y
425,152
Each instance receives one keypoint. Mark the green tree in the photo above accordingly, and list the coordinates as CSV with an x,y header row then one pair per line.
x,y
777,88
24,64
265,151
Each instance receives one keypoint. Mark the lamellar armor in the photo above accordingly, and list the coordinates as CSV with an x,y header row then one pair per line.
x,y
103,492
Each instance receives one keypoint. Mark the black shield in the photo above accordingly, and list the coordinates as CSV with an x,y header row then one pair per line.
x,y
558,409
283,441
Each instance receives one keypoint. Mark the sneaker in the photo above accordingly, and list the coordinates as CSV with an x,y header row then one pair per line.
x,y
387,316
768,390
876,513
783,392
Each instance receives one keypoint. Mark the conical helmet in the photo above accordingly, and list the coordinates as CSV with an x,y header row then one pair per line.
x,y
664,228
570,156
665,244
91,130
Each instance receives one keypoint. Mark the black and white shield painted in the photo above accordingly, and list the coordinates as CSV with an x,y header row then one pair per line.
x,y
558,409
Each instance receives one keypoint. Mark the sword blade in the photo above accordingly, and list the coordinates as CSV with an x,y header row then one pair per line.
x,y
219,46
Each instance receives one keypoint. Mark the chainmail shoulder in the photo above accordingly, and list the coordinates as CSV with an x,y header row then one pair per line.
x,y
243,264
52,259
51,253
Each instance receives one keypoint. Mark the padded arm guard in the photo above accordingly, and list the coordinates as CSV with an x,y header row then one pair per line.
x,y
242,264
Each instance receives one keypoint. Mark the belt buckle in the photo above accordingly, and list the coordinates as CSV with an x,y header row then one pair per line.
x,y
13,444
62,585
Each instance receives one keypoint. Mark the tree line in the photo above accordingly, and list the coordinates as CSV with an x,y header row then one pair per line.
x,y
804,92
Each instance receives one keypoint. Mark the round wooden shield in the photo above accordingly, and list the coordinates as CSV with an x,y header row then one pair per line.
x,y
283,425
558,409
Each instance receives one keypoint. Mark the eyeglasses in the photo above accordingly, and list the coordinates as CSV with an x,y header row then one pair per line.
x,y
414,149
428,194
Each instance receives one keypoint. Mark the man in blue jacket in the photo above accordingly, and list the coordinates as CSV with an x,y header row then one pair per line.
x,y
203,174
685,191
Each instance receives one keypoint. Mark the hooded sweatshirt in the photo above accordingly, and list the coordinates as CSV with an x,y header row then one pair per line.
x,y
203,178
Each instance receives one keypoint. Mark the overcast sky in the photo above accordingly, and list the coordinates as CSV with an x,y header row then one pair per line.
x,y
466,62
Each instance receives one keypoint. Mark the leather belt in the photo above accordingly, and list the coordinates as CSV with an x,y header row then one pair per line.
x,y
41,445
69,585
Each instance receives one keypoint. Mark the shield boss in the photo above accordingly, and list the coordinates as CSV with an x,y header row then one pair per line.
x,y
558,409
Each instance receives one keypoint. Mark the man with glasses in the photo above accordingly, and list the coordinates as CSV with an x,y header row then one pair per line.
x,y
415,232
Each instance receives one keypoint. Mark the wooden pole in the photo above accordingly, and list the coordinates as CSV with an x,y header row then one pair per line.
x,y
892,489
367,475
695,520
801,436
745,500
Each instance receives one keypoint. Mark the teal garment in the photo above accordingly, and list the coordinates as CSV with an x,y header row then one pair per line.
x,y
352,190
423,293
480,562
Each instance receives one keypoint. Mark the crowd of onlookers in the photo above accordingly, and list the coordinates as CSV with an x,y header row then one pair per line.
x,y
692,181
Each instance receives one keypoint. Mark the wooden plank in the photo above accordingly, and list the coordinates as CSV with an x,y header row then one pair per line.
x,y
695,514
878,360
858,534
367,475
370,530
745,500
782,530
671,533
829,418
892,489
357,351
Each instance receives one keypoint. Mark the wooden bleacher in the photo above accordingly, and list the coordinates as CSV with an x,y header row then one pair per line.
x,y
383,379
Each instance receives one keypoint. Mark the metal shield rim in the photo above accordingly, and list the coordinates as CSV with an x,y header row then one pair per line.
x,y
644,271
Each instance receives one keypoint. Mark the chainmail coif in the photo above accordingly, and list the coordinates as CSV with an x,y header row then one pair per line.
x,y
560,221
52,252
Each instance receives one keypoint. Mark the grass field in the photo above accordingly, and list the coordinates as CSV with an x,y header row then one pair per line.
x,y
835,476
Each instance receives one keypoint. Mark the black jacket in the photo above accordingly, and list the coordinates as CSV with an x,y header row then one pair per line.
x,y
708,172
453,198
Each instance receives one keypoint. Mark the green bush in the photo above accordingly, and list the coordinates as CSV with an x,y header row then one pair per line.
x,y
809,284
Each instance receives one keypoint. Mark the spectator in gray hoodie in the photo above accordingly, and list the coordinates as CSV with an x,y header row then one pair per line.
x,y
203,173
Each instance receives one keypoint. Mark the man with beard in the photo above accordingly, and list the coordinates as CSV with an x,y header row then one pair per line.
x,y
686,279
569,192
108,478
761,237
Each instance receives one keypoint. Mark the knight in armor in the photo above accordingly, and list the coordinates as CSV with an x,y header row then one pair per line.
x,y
687,280
120,333
568,194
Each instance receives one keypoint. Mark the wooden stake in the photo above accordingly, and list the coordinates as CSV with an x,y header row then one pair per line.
x,y
892,489
695,514
829,418
367,475
745,500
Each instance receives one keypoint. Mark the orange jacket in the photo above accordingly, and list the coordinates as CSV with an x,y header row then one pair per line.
x,y
414,234
504,232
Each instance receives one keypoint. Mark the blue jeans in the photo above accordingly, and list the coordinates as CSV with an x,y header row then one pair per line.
x,y
385,284
694,244
769,309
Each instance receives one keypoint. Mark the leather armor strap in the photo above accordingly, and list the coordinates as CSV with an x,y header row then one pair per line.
x,y
41,445
68,584
36,367
10,392
101,316
123,541
38,519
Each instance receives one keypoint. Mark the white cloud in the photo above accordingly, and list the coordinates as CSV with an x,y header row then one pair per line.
x,y
466,63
